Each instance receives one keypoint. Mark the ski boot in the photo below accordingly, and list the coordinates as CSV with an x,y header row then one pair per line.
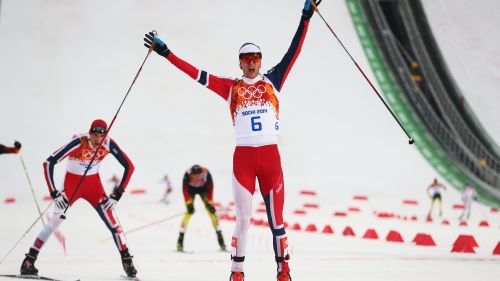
x,y
237,276
28,265
128,265
220,238
180,242
284,276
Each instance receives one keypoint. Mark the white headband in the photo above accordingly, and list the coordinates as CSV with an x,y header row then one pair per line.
x,y
249,48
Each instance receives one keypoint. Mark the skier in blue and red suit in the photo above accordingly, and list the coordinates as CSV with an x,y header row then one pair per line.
x,y
79,152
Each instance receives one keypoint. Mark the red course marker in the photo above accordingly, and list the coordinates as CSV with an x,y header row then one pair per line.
x,y
422,239
394,236
484,224
308,192
360,197
410,202
299,212
496,251
340,214
311,205
327,229
464,244
311,228
370,234
138,191
348,231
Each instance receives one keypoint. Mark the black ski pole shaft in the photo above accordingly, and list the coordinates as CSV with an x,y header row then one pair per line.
x,y
24,234
411,140
32,190
107,131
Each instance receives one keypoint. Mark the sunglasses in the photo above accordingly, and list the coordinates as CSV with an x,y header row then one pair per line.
x,y
255,57
98,130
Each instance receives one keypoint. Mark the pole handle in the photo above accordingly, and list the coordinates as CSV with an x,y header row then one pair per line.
x,y
153,44
315,8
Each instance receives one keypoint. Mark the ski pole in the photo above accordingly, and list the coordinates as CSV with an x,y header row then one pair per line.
x,y
147,225
107,131
26,232
411,140
31,187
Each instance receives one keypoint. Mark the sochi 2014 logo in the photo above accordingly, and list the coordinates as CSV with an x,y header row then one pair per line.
x,y
252,91
89,153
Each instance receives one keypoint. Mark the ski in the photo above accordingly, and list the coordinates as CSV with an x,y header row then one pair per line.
x,y
33,277
125,277
184,252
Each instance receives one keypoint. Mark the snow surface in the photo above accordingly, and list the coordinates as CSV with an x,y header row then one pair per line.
x,y
64,64
91,254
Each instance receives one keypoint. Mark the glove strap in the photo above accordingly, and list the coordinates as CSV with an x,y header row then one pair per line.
x,y
238,259
282,259
117,193
54,194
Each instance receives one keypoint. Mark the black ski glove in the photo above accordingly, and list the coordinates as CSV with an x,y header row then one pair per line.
x,y
159,47
60,199
117,194
308,10
211,208
190,208
17,145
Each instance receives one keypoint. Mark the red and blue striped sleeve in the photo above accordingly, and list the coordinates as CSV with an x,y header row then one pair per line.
x,y
124,161
278,73
221,86
56,157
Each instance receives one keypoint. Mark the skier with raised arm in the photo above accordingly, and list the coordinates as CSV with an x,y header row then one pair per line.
x,y
254,106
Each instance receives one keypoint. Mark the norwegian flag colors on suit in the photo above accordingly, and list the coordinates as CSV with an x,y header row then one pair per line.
x,y
254,108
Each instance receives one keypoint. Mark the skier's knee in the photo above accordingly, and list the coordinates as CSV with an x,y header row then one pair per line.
x,y
278,231
114,230
243,221
190,208
211,208
55,221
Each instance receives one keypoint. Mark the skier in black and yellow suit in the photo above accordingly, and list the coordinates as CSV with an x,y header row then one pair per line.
x,y
198,180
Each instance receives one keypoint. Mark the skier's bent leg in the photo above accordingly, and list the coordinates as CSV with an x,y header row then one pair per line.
x,y
185,221
28,264
432,207
440,206
109,218
189,210
184,225
54,222
212,213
